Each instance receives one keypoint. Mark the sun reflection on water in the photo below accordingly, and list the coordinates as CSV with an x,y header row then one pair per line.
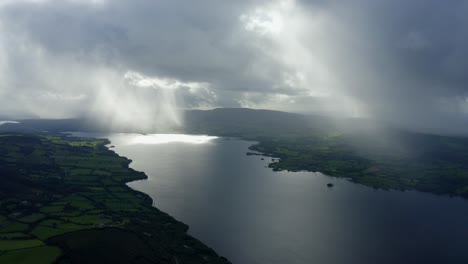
x,y
152,139
8,122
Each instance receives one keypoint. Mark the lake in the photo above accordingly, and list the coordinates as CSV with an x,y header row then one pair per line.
x,y
251,214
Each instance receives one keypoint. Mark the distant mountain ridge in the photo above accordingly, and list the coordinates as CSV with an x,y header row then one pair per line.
x,y
365,151
227,118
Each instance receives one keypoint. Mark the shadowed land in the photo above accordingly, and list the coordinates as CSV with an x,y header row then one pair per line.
x,y
65,199
366,152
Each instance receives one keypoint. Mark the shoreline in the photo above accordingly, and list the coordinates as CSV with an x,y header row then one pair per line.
x,y
69,195
147,198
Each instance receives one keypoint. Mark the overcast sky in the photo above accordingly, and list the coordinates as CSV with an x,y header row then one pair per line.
x,y
133,60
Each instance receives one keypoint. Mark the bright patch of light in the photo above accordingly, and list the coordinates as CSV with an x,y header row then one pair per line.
x,y
8,122
299,41
269,19
153,139
147,103
263,22
139,80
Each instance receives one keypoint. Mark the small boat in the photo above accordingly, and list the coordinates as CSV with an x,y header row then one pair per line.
x,y
330,185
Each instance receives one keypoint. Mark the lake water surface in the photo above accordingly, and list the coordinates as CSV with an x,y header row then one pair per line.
x,y
8,122
250,214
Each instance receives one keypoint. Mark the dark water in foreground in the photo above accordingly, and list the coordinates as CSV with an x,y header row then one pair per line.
x,y
251,214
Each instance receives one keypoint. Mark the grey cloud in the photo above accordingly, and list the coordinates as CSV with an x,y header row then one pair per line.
x,y
401,61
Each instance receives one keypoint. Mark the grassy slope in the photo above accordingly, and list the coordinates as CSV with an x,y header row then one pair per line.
x,y
70,195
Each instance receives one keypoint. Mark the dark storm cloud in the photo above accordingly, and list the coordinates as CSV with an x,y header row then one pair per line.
x,y
401,61
413,56
171,38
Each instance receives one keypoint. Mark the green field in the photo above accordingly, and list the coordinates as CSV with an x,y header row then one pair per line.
x,y
54,188
6,245
37,255
426,163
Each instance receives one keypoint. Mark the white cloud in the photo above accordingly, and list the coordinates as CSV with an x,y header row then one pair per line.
x,y
140,80
298,42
